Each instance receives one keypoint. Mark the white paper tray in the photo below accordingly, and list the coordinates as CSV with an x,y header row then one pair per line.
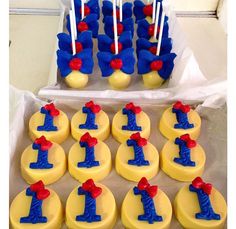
x,y
212,139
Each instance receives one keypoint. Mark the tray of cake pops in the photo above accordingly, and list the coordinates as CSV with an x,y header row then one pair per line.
x,y
116,49
116,164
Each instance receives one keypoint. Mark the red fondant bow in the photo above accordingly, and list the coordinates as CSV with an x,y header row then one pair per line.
x,y
89,186
41,192
137,137
93,107
43,142
52,109
132,107
200,184
144,185
180,106
88,139
189,142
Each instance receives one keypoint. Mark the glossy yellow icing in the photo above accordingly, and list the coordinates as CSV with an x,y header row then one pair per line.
x,y
101,120
105,206
119,80
119,120
152,80
76,79
56,156
186,206
153,39
135,173
149,19
77,154
51,208
177,171
168,120
132,207
61,121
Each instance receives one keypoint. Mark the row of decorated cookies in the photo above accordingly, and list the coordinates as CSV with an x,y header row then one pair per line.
x,y
181,158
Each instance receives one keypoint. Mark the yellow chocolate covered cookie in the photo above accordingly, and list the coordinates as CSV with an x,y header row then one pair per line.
x,y
91,206
76,79
50,122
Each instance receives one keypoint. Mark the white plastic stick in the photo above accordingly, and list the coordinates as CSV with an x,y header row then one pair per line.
x,y
160,33
157,19
74,20
115,27
82,9
72,33
153,10
121,11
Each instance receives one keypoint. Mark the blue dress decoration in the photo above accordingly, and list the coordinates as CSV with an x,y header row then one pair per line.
x,y
147,193
91,192
82,61
84,41
203,190
148,62
109,62
106,44
90,7
181,112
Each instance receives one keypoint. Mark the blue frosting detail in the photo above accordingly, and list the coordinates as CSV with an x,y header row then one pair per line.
x,y
139,159
182,119
107,10
143,25
128,25
104,59
91,21
48,121
207,211
104,41
64,41
184,154
144,44
150,214
42,160
89,160
92,4
90,120
146,57
89,214
131,125
35,213
64,58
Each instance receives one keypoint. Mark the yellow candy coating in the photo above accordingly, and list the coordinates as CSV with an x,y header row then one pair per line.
x,y
51,208
56,156
61,121
120,120
132,207
105,206
101,120
76,79
186,205
178,171
168,120
149,19
152,80
77,154
132,172
119,80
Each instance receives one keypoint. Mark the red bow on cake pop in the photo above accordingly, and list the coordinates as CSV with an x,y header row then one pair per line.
x,y
89,140
190,143
140,141
198,183
133,108
41,192
93,107
90,187
52,109
144,185
180,106
43,142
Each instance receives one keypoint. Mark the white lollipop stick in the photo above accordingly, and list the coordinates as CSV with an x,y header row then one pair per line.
x,y
153,10
74,20
160,33
121,13
82,9
115,27
72,33
157,19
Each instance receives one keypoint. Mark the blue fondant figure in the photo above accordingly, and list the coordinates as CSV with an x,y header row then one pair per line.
x,y
90,7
